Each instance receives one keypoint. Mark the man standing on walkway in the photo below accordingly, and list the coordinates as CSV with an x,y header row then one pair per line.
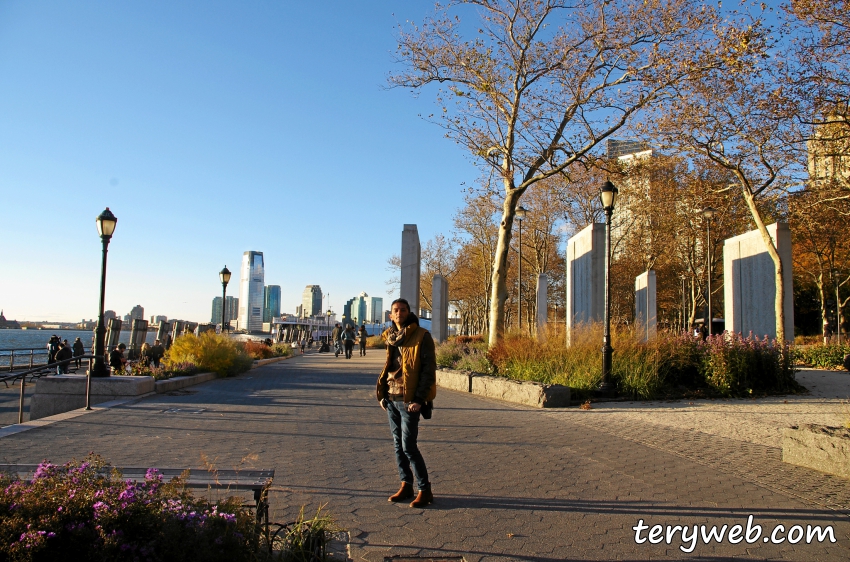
x,y
79,350
61,355
406,388
348,337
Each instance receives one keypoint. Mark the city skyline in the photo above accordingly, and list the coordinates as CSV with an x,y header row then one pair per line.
x,y
182,121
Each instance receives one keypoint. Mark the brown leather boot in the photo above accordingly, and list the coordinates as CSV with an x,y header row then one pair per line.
x,y
404,493
423,498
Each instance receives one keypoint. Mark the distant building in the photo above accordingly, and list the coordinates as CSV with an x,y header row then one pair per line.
x,y
251,292
311,301
829,151
108,315
230,313
8,324
136,312
271,303
623,148
298,311
160,318
364,308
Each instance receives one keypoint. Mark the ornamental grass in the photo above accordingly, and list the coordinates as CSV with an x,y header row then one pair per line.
x,y
823,356
672,364
210,352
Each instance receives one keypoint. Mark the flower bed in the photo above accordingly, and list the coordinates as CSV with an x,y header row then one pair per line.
x,y
829,356
86,511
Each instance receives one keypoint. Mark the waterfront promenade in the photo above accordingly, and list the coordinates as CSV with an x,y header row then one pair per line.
x,y
511,483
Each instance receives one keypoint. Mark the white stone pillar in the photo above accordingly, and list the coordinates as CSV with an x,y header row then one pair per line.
x,y
542,304
410,266
585,301
646,308
749,283
440,309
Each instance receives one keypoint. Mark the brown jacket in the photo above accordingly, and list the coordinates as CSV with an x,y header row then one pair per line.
x,y
419,368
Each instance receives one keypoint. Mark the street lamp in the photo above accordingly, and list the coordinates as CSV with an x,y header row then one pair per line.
x,y
709,214
837,306
106,222
328,326
608,197
224,275
520,214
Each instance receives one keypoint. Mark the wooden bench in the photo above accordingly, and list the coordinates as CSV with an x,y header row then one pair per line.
x,y
258,481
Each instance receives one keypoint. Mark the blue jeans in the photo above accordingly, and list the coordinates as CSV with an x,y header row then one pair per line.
x,y
405,429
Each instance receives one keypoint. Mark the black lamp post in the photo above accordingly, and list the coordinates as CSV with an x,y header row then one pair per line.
x,y
709,214
520,215
837,306
328,326
106,222
224,275
608,196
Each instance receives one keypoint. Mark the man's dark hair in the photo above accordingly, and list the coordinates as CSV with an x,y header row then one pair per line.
x,y
407,304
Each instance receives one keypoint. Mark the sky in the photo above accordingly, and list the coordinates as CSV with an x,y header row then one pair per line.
x,y
209,129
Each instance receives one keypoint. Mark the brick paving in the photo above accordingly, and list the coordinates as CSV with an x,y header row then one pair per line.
x,y
511,483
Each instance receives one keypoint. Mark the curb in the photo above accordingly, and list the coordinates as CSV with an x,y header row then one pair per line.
x,y
528,393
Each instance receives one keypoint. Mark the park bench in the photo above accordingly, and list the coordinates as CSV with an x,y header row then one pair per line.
x,y
258,481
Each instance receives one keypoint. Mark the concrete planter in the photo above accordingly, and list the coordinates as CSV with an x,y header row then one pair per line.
x,y
177,383
529,393
62,393
820,447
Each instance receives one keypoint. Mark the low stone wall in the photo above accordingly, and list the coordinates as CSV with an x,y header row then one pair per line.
x,y
819,447
177,383
529,393
58,394
261,362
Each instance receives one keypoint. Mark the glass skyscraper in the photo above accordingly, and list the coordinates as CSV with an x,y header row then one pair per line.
x,y
311,301
271,303
230,312
251,292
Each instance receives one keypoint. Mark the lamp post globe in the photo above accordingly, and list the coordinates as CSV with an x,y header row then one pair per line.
x,y
328,326
224,275
608,198
106,222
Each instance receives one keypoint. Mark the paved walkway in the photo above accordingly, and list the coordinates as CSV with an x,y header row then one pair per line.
x,y
511,483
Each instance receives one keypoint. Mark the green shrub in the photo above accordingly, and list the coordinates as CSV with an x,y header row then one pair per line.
x,y
830,356
209,352
470,355
281,350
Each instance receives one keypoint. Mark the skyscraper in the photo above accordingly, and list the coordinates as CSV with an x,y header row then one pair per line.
x,y
137,312
229,314
311,301
271,303
365,308
251,292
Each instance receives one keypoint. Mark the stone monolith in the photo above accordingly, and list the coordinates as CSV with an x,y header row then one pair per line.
x,y
646,310
440,309
410,266
585,277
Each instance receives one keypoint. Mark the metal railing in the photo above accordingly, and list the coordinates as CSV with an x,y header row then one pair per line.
x,y
44,370
27,355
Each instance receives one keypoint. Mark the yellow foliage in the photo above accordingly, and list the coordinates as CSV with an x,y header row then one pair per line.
x,y
209,352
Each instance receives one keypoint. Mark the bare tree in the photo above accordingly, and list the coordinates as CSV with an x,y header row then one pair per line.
x,y
543,82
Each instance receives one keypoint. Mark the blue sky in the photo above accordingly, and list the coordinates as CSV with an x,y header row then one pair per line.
x,y
209,128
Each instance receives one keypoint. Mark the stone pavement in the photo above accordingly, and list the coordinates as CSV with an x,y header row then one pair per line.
x,y
511,483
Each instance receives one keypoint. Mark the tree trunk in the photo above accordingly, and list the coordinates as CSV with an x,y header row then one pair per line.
x,y
779,303
499,288
823,320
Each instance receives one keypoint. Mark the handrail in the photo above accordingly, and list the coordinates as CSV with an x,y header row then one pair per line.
x,y
38,372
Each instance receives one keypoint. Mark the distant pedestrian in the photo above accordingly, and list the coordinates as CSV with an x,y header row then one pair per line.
x,y
63,354
362,338
157,352
348,337
336,335
116,358
303,344
52,348
79,350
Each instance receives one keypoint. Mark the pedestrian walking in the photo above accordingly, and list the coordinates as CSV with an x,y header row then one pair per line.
x,y
406,389
79,350
63,354
362,335
336,334
303,344
145,354
348,337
